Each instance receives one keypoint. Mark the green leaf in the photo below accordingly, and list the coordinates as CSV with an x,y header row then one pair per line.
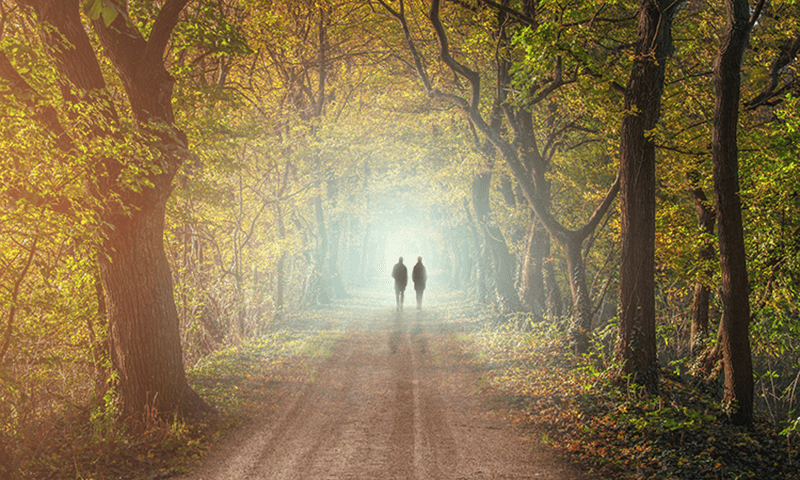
x,y
101,8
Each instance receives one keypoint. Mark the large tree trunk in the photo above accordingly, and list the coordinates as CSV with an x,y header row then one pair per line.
x,y
143,320
144,330
636,347
725,154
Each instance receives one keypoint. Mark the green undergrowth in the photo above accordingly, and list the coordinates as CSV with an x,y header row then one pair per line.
x,y
235,380
240,382
620,431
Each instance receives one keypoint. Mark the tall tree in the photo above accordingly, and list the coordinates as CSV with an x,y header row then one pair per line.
x,y
735,328
636,347
131,187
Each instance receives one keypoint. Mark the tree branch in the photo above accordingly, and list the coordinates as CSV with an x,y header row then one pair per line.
x,y
444,52
601,210
14,295
788,52
162,28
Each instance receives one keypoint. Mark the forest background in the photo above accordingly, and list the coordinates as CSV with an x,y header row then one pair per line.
x,y
179,177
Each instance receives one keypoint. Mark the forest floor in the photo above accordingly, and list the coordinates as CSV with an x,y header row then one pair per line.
x,y
394,400
356,389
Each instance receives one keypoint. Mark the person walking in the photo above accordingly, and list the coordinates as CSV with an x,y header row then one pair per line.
x,y
400,275
419,276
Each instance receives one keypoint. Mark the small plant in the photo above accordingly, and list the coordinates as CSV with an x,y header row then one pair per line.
x,y
791,431
103,418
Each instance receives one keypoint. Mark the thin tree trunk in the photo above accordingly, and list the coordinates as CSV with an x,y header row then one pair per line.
x,y
555,303
362,265
317,288
537,248
15,291
706,220
280,273
725,154
581,301
334,275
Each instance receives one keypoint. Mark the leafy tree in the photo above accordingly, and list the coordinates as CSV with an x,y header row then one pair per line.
x,y
130,185
523,154
735,328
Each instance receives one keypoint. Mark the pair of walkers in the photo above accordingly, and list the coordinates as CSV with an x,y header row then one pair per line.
x,y
400,274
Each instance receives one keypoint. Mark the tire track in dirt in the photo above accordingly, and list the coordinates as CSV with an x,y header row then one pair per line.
x,y
391,402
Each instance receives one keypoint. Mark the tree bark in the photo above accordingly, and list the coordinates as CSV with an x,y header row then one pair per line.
x,y
537,249
494,247
144,331
706,220
137,283
636,347
581,301
725,155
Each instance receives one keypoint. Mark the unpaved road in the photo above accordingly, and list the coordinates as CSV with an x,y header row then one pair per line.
x,y
392,402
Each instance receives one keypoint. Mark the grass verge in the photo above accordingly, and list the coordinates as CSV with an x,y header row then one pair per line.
x,y
240,382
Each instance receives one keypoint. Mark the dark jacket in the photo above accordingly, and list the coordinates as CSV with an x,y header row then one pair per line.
x,y
419,276
400,275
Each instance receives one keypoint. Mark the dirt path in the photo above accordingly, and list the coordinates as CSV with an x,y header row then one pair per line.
x,y
392,402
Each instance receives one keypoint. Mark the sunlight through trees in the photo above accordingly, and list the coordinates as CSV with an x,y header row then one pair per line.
x,y
181,177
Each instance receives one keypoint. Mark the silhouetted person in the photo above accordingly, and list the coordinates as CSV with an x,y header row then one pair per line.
x,y
400,275
419,276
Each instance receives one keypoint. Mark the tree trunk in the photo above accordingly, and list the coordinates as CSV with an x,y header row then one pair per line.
x,y
494,247
333,273
706,220
362,265
537,249
555,304
280,274
506,266
144,330
725,154
636,348
581,301
143,320
317,288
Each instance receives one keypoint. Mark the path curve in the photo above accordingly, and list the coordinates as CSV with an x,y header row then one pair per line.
x,y
392,402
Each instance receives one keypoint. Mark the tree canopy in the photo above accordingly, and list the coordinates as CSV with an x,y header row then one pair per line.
x,y
180,176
